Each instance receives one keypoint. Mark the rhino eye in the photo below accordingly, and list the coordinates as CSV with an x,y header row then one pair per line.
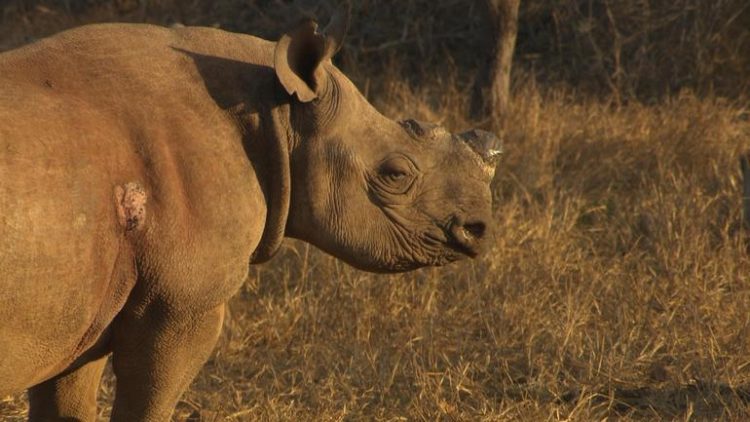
x,y
396,175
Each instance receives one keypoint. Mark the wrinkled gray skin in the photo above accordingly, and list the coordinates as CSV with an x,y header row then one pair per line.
x,y
143,168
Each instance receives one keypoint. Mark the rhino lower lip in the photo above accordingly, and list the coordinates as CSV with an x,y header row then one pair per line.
x,y
452,244
464,249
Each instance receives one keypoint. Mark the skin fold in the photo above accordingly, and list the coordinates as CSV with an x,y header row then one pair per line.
x,y
142,169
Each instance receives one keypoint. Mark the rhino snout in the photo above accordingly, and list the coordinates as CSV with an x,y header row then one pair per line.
x,y
467,235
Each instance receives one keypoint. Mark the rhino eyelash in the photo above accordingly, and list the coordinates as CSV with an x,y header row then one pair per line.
x,y
396,175
397,166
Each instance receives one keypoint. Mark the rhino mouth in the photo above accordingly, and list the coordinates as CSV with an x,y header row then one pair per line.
x,y
470,251
438,243
433,249
453,250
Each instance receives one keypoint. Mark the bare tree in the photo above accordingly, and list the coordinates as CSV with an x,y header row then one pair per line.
x,y
492,89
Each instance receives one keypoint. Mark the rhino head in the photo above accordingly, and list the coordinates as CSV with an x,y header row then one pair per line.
x,y
382,195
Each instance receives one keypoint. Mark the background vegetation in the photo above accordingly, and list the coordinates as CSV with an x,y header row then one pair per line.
x,y
618,283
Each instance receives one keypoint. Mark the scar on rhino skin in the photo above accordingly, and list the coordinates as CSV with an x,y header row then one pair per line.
x,y
131,205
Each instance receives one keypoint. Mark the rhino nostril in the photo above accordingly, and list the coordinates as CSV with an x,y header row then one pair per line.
x,y
465,237
475,230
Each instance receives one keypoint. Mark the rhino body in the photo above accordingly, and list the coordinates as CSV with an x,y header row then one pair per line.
x,y
142,169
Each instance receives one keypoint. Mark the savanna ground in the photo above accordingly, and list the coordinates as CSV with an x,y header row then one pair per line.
x,y
618,284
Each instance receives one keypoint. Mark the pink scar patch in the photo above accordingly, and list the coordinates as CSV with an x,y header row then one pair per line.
x,y
131,205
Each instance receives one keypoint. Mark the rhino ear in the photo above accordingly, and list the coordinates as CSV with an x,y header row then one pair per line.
x,y
300,53
336,30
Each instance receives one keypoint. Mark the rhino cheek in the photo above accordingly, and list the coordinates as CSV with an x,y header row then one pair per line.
x,y
416,240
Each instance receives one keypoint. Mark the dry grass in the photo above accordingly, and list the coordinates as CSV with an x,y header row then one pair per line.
x,y
617,286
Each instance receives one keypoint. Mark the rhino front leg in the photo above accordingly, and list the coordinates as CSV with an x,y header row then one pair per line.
x,y
70,397
156,356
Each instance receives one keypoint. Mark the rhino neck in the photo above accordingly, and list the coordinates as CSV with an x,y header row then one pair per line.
x,y
277,180
283,126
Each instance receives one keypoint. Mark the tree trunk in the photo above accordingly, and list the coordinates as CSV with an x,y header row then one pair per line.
x,y
492,90
745,166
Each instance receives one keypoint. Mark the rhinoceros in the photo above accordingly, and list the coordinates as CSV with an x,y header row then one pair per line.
x,y
144,169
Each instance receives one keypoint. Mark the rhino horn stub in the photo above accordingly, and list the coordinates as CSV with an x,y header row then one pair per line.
x,y
423,130
485,144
